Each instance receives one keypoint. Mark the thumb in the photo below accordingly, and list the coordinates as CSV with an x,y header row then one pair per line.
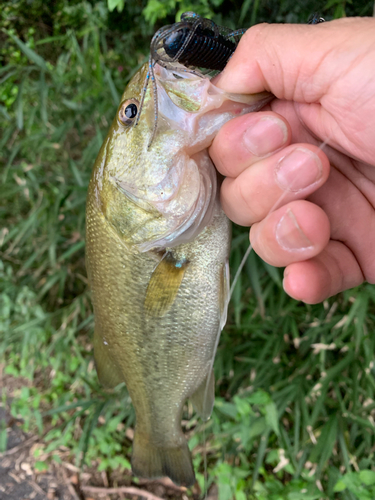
x,y
295,61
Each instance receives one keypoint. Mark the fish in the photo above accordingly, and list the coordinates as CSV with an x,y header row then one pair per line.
x,y
157,248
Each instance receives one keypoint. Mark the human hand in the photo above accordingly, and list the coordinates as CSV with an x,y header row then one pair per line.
x,y
302,171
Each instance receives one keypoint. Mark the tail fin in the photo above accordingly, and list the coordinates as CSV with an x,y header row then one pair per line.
x,y
151,461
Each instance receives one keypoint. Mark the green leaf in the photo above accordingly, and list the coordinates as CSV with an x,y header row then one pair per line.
x,y
244,9
240,495
260,455
60,409
228,409
29,53
225,491
331,3
113,4
274,273
339,486
4,112
19,107
252,266
259,397
112,88
41,466
3,436
88,429
257,428
367,477
72,105
254,12
326,441
272,418
71,250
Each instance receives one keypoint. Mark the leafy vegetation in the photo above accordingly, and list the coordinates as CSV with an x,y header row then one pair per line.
x,y
295,408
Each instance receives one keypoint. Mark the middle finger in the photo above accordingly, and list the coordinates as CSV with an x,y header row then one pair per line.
x,y
291,174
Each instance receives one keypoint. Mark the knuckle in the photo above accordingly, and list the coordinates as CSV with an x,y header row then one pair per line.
x,y
246,202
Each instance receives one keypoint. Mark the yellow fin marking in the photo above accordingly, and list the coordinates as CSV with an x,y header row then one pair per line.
x,y
164,285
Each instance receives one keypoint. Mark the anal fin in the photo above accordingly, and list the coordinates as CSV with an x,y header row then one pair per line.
x,y
108,373
203,398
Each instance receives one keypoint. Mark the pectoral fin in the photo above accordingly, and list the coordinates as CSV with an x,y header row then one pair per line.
x,y
164,285
203,398
108,373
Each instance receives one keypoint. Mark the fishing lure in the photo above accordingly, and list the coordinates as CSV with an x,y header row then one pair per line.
x,y
194,42
316,19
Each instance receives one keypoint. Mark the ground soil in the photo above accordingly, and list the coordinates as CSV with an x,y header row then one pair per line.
x,y
17,479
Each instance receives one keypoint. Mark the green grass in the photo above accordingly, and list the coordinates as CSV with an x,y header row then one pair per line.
x,y
295,404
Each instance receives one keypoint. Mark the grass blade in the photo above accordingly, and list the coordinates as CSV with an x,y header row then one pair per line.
x,y
30,53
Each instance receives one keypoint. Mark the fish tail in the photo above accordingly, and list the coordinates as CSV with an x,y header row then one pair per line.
x,y
152,461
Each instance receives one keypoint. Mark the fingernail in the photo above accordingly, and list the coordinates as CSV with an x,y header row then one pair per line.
x,y
298,170
289,235
286,272
265,136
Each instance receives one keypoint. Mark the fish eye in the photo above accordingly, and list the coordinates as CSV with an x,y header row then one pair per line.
x,y
128,111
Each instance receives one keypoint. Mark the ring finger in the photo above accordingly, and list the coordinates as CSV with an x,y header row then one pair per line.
x,y
295,232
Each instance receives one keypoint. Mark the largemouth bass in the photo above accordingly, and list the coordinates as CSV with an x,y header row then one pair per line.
x,y
157,259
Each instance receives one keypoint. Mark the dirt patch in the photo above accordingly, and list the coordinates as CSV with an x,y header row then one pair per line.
x,y
18,480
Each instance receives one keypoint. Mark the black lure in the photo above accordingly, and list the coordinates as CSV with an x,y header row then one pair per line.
x,y
204,49
316,19
195,42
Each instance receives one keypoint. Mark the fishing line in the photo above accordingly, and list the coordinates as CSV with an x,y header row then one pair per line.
x,y
239,269
204,450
